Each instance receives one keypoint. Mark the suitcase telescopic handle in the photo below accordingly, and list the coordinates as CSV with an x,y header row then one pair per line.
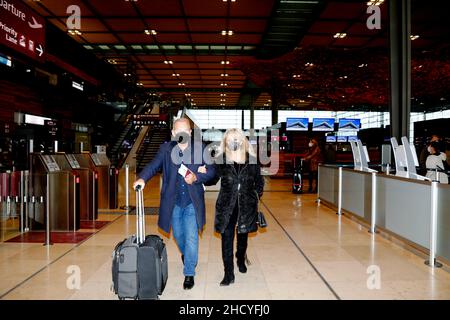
x,y
140,217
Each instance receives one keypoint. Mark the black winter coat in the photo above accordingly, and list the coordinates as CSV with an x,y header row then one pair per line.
x,y
240,190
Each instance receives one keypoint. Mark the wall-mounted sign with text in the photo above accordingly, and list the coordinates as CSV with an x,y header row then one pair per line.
x,y
22,29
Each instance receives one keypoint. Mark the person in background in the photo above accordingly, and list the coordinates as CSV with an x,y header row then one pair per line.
x,y
314,157
435,161
424,153
237,203
182,206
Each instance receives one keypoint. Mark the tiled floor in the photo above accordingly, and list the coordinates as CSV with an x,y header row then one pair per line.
x,y
307,252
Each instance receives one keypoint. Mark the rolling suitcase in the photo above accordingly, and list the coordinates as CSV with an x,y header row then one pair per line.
x,y
297,182
139,266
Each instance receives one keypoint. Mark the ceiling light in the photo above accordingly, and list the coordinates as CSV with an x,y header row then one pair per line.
x,y
74,32
309,64
375,2
340,35
224,75
175,74
181,84
227,32
223,94
414,37
362,65
224,84
168,62
187,94
149,32
225,62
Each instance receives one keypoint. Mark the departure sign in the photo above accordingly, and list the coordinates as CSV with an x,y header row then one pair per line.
x,y
21,29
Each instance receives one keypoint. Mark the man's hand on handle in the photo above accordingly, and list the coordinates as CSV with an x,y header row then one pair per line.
x,y
139,182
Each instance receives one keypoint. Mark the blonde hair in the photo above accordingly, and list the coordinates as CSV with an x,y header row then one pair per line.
x,y
238,133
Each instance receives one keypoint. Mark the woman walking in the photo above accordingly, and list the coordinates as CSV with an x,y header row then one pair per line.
x,y
237,204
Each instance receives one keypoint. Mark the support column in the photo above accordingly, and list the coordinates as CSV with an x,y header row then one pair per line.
x,y
400,67
252,116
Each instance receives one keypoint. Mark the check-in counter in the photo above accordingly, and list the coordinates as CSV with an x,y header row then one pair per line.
x,y
55,182
85,169
107,181
402,206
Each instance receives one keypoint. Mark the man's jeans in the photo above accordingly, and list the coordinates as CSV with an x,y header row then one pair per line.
x,y
185,232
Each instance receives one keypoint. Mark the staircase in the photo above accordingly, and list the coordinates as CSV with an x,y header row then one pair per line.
x,y
150,146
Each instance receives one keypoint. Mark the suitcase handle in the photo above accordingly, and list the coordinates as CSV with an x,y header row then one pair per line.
x,y
140,215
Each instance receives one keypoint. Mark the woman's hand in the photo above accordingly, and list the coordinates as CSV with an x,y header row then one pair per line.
x,y
202,169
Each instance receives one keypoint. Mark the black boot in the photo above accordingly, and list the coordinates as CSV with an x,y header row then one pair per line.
x,y
227,279
241,252
188,282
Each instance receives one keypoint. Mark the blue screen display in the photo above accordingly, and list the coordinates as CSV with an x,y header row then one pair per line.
x,y
323,124
297,124
331,139
349,124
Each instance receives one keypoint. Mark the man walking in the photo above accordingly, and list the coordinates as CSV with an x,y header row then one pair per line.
x,y
182,206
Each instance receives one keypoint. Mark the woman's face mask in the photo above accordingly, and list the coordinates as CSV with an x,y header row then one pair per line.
x,y
310,144
234,145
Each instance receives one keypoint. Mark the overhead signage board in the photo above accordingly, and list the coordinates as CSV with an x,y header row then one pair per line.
x,y
22,29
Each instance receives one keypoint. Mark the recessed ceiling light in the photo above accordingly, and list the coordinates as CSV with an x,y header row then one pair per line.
x,y
175,74
224,75
168,62
375,2
224,84
225,62
74,32
149,32
227,32
414,37
340,35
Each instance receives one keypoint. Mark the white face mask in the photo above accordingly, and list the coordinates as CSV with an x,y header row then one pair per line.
x,y
429,149
310,144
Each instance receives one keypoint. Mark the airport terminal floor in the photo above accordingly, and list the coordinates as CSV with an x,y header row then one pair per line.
x,y
306,252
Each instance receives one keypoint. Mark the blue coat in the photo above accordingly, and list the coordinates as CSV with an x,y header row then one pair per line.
x,y
168,192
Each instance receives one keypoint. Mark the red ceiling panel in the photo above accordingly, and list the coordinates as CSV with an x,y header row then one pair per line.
x,y
316,40
201,38
328,27
159,7
172,25
245,25
91,24
351,41
126,24
205,8
344,11
113,7
252,8
205,25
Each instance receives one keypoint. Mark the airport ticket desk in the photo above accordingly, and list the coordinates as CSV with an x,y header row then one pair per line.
x,y
52,179
107,181
86,175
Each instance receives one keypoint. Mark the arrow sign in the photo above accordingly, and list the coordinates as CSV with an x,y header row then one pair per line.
x,y
40,50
